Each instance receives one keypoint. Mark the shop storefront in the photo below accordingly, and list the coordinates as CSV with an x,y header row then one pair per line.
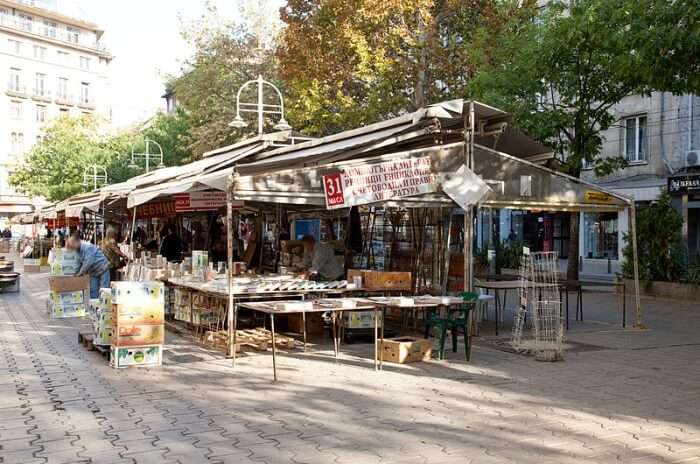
x,y
685,191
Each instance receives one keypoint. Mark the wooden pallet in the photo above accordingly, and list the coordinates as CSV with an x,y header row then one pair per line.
x,y
258,339
87,340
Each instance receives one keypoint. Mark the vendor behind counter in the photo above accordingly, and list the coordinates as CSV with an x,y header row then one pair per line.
x,y
320,262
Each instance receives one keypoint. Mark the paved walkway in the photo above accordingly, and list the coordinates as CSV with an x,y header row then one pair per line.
x,y
630,396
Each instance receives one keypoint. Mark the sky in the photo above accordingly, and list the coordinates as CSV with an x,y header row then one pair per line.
x,y
144,37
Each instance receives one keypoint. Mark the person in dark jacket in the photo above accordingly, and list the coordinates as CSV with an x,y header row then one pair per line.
x,y
171,246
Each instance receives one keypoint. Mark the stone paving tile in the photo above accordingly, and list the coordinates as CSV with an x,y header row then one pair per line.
x,y
635,399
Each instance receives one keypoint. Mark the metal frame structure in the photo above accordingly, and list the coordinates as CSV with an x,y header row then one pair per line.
x,y
147,156
261,108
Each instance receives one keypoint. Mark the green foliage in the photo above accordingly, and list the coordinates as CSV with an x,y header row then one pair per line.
x,y
54,167
509,254
349,63
224,59
659,245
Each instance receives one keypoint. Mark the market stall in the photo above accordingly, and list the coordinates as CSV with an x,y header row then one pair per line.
x,y
447,155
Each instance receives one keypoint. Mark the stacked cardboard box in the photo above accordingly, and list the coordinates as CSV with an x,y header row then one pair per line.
x,y
63,262
69,296
102,318
138,312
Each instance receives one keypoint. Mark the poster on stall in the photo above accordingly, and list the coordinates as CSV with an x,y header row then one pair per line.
x,y
370,183
200,201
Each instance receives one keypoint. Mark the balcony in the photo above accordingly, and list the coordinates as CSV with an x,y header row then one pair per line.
x,y
41,95
38,28
17,91
63,99
86,103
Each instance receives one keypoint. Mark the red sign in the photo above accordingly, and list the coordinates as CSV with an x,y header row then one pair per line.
x,y
155,209
333,188
200,201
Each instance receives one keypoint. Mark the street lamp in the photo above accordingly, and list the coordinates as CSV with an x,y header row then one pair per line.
x,y
260,107
147,156
95,173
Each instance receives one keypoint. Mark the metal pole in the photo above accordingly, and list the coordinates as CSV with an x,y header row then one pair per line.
x,y
469,211
633,223
229,240
147,153
260,104
131,239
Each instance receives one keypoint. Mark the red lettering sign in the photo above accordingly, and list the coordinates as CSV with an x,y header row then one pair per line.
x,y
333,188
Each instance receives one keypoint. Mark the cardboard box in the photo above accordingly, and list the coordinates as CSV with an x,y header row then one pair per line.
x,y
103,336
69,297
148,356
138,293
59,311
139,335
314,323
360,320
62,284
405,349
32,268
146,313
382,280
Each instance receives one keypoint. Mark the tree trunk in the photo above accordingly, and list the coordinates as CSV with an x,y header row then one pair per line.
x,y
572,265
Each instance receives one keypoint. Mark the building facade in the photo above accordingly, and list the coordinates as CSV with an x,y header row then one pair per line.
x,y
659,136
54,65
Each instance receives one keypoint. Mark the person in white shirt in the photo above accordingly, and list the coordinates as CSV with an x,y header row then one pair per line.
x,y
320,260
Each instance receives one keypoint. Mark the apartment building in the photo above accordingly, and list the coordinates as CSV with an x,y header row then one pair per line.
x,y
54,65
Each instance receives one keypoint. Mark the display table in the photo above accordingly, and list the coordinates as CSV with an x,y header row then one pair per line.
x,y
334,306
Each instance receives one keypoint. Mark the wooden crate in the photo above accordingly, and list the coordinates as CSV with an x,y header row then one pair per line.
x,y
259,339
314,323
404,350
382,280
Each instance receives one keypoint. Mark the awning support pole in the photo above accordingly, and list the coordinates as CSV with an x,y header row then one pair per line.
x,y
131,238
633,224
229,244
469,211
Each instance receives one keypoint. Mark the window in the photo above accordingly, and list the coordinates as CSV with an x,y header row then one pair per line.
x,y
63,110
17,141
600,235
636,139
15,46
73,34
63,57
85,63
15,110
40,113
63,88
84,92
49,28
40,84
39,52
25,22
15,79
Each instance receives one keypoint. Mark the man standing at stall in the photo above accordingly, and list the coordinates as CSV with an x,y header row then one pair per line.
x,y
320,261
93,263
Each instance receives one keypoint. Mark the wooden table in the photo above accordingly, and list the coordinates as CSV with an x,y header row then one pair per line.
x,y
274,308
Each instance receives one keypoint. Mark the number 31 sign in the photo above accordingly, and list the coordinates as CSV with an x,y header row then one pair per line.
x,y
333,188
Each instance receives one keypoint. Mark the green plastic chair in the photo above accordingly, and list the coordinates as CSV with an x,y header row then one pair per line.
x,y
455,319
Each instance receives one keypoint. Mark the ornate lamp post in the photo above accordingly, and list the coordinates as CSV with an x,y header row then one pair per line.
x,y
261,108
148,155
94,174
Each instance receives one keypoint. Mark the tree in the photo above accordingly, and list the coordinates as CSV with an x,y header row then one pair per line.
x,y
660,250
349,63
173,132
562,75
226,56
54,167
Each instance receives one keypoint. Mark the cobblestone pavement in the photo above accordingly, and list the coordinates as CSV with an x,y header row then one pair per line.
x,y
625,396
